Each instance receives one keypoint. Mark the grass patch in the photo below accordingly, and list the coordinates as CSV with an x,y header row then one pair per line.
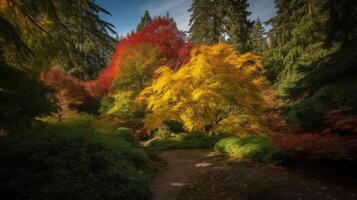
x,y
79,158
183,141
255,147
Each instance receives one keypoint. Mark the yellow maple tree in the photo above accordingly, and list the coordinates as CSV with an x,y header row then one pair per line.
x,y
136,70
217,90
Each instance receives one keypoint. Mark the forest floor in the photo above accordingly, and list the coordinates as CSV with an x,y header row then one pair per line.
x,y
181,166
204,175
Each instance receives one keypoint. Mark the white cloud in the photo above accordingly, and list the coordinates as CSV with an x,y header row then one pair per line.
x,y
176,8
262,9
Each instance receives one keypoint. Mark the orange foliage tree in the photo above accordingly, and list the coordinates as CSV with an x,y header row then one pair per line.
x,y
69,93
161,33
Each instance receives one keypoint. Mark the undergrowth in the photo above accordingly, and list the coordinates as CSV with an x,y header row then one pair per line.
x,y
254,147
183,141
79,158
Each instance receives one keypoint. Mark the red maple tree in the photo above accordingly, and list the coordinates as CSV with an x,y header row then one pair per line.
x,y
161,33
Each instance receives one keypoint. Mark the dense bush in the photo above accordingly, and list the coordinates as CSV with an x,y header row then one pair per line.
x,y
127,134
310,146
69,93
124,131
20,104
330,85
254,147
183,141
73,159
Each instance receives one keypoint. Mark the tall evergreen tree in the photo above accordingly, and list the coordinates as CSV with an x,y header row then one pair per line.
x,y
237,24
36,35
78,41
296,39
22,96
215,21
257,38
144,21
314,77
167,16
206,21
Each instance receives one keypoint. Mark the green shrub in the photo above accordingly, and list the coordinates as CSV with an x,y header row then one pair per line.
x,y
310,112
183,141
254,147
72,159
22,97
127,134
125,131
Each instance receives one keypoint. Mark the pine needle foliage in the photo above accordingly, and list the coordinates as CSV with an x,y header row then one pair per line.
x,y
214,21
69,34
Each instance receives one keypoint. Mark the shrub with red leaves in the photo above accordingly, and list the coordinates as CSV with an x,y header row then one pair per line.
x,y
161,33
69,93
142,134
319,146
341,121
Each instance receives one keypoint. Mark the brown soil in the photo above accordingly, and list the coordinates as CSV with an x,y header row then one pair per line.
x,y
181,166
205,175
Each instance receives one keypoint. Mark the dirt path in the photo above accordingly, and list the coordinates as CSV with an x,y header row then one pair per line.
x,y
182,164
203,174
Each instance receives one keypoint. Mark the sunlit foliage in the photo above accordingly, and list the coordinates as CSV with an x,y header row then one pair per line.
x,y
255,147
183,141
216,90
137,67
161,33
123,105
135,74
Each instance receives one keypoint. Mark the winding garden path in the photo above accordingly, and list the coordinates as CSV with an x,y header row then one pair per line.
x,y
182,164
202,174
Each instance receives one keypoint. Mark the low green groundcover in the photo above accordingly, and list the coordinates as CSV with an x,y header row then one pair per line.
x,y
254,147
184,141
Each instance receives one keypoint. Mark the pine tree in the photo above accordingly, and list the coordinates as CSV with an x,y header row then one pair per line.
x,y
214,21
206,21
257,38
145,19
296,39
238,25
35,36
167,16
77,41
341,25
315,78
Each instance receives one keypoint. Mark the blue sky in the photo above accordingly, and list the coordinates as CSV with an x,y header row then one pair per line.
x,y
126,14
